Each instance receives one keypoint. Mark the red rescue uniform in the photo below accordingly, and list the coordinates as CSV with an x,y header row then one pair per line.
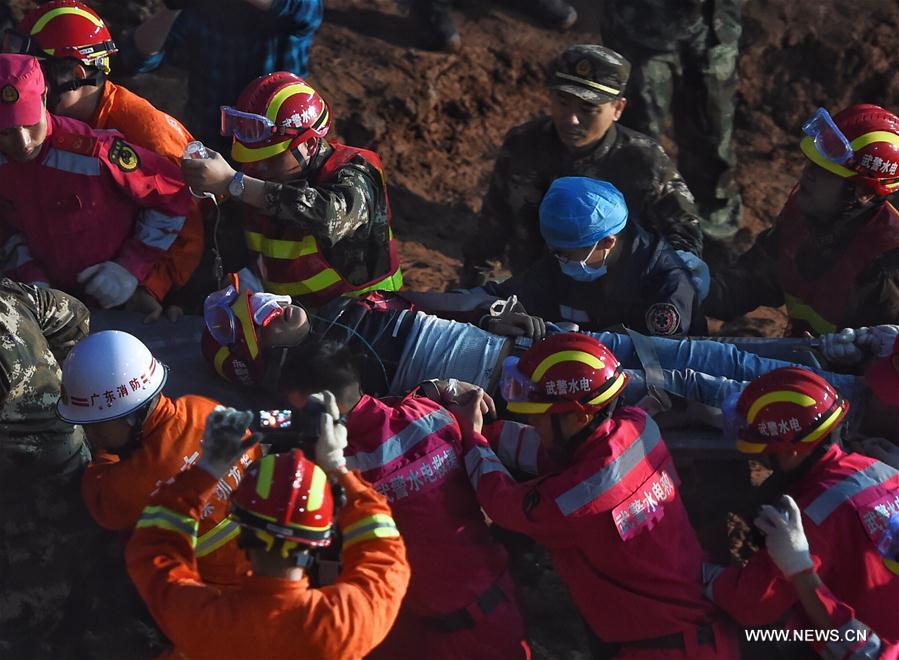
x,y
267,617
461,601
88,197
619,537
116,489
846,501
857,641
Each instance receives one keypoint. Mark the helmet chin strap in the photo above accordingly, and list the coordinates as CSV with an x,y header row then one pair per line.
x,y
58,89
304,162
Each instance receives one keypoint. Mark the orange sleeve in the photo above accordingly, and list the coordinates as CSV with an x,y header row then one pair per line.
x,y
180,261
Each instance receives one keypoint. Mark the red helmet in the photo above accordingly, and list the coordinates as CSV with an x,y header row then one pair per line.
x,y
787,408
563,373
864,148
66,28
273,114
286,496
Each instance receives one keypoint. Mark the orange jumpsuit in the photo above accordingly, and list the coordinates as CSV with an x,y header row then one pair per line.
x,y
269,617
116,489
145,126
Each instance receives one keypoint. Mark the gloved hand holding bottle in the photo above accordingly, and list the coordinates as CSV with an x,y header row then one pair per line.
x,y
108,283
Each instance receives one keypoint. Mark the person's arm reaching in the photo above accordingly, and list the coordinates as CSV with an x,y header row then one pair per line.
x,y
16,260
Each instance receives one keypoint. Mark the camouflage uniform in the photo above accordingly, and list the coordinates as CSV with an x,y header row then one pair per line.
x,y
532,157
684,61
57,580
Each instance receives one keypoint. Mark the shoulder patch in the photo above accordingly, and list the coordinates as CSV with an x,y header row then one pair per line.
x,y
84,145
123,156
662,319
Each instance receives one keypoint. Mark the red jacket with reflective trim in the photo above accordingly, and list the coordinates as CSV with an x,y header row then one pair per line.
x,y
845,501
863,641
410,449
823,305
268,617
116,489
290,257
88,197
614,524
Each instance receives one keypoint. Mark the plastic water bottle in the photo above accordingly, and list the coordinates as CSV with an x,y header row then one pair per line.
x,y
195,150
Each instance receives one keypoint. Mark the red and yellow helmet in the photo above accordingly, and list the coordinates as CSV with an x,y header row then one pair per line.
x,y
67,28
860,144
788,408
273,114
563,373
287,497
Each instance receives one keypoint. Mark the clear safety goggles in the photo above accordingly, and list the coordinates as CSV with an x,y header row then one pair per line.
x,y
514,386
20,44
218,312
583,262
251,128
829,140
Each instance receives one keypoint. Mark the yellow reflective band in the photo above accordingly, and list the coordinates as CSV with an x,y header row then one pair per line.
x,y
164,518
314,284
317,489
874,136
825,428
220,356
244,154
780,396
390,283
609,393
566,356
280,249
807,145
50,15
264,480
242,314
589,83
750,447
378,526
527,408
799,310
892,565
216,537
285,93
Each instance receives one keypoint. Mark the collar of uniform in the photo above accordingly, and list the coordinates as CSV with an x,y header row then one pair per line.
x,y
807,481
164,410
104,105
359,416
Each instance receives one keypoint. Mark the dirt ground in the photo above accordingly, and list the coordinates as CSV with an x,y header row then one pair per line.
x,y
437,121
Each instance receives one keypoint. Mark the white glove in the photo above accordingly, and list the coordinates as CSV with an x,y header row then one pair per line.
x,y
784,537
332,437
223,441
840,347
879,339
108,283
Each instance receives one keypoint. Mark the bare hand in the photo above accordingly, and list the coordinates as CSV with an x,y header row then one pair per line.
x,y
144,303
880,448
211,174
173,313
470,415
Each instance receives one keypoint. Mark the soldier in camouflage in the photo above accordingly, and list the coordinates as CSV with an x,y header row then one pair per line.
x,y
684,62
579,138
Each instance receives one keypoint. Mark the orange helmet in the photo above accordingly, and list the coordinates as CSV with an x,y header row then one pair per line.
x,y
787,408
288,497
274,113
64,28
860,144
563,373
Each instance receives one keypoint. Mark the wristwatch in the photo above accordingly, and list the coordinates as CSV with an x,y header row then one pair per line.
x,y
236,187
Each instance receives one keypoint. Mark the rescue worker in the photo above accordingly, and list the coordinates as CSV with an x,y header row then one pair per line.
x,y
603,272
462,602
45,535
795,417
608,511
112,386
579,138
80,208
285,509
317,215
437,32
831,255
222,47
788,547
75,46
249,334
683,59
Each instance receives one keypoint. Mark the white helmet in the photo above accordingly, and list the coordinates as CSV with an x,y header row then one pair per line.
x,y
107,376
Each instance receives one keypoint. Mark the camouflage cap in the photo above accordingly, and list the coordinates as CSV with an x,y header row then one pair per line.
x,y
595,74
